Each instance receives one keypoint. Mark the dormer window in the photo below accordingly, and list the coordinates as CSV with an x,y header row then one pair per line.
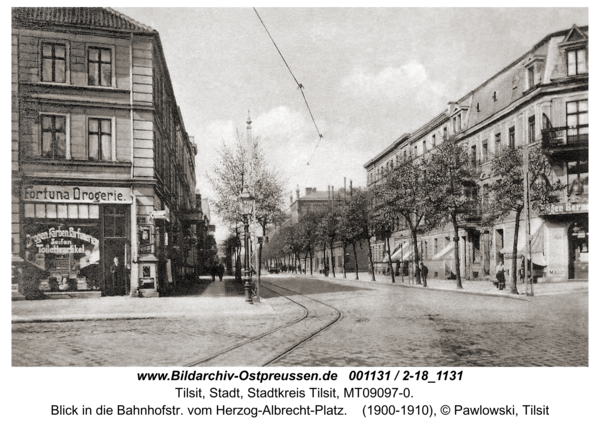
x,y
577,62
530,76
495,96
477,107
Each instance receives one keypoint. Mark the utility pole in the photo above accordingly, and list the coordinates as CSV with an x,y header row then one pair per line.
x,y
528,263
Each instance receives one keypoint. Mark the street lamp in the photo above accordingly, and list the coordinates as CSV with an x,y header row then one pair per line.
x,y
246,206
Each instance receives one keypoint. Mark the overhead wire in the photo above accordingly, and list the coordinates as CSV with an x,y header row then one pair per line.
x,y
300,86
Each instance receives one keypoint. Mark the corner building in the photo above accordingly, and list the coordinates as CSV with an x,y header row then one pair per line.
x,y
103,171
540,99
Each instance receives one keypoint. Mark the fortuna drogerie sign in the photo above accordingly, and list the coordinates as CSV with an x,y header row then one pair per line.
x,y
76,194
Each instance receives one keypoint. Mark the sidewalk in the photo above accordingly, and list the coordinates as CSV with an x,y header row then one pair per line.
x,y
209,299
473,287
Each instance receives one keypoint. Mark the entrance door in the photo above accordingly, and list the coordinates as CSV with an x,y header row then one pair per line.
x,y
115,273
578,251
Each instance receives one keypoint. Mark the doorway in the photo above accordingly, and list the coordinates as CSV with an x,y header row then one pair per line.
x,y
578,236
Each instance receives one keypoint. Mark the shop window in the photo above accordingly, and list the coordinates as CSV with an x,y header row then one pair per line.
x,y
99,66
577,62
100,139
53,136
54,62
577,178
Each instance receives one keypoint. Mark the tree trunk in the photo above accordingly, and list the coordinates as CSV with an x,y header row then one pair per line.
x,y
416,255
344,257
371,261
355,257
513,267
311,262
332,262
456,253
325,259
259,263
387,239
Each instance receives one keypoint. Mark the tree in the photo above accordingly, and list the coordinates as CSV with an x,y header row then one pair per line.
x,y
327,229
361,217
404,192
452,189
506,193
233,173
308,235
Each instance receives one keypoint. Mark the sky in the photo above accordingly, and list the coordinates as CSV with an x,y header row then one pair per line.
x,y
369,76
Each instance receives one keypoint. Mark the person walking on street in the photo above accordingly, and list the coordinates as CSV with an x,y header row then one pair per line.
x,y
220,271
424,272
213,271
500,276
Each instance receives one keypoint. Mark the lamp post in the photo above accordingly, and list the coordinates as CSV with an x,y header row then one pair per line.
x,y
247,205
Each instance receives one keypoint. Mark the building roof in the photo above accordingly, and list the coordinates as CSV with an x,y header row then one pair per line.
x,y
316,196
98,17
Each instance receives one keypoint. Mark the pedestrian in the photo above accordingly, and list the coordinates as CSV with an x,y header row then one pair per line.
x,y
424,272
220,271
500,276
213,271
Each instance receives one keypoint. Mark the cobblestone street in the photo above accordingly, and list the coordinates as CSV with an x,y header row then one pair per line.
x,y
381,325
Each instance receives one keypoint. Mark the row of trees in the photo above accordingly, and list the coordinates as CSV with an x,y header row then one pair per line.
x,y
442,187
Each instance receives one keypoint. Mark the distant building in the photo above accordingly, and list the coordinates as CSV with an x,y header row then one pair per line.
x,y
540,99
103,170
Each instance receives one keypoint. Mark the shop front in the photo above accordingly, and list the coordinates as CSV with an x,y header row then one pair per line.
x,y
77,240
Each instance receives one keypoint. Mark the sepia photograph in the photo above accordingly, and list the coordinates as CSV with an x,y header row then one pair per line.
x,y
299,187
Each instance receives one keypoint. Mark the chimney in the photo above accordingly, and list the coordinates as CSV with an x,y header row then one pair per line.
x,y
332,193
328,192
297,192
308,191
344,188
350,188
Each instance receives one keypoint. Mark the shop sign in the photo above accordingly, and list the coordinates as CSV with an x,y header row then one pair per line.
x,y
76,194
160,215
61,241
566,208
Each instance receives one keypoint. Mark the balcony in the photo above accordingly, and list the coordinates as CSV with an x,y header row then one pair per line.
x,y
565,140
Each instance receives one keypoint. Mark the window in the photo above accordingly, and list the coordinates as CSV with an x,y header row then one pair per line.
x,y
477,107
576,62
424,147
99,66
498,143
445,132
435,246
495,96
531,129
54,136
416,150
577,178
100,139
484,151
511,138
577,121
54,62
530,77
474,156
432,140
424,250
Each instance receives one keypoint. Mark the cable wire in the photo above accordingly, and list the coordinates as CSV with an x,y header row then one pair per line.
x,y
300,86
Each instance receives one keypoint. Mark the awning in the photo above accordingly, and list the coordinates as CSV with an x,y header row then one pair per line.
x,y
537,247
446,253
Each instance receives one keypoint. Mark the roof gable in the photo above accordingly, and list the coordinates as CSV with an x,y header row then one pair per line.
x,y
575,34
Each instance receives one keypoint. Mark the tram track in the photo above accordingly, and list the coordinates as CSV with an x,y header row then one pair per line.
x,y
267,348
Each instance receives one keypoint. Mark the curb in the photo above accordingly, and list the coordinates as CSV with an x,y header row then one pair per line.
x,y
476,293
